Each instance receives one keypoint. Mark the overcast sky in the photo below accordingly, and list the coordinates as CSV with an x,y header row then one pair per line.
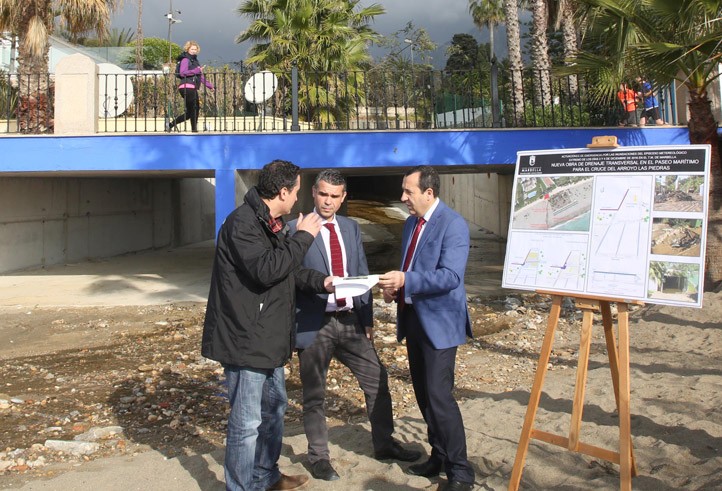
x,y
215,23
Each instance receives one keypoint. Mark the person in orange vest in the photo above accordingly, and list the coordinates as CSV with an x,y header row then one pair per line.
x,y
627,97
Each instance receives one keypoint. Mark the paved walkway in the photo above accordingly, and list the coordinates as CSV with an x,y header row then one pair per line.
x,y
149,278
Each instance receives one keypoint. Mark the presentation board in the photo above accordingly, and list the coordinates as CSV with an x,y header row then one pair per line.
x,y
627,223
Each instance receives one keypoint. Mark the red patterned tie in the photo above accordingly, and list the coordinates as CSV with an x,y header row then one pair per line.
x,y
336,258
409,255
412,245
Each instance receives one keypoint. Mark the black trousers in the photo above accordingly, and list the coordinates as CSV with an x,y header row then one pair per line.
x,y
342,337
192,106
432,375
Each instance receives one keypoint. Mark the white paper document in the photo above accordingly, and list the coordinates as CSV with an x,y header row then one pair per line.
x,y
353,286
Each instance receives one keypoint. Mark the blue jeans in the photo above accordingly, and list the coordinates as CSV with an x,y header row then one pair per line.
x,y
255,427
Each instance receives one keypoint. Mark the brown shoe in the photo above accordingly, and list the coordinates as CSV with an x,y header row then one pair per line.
x,y
289,482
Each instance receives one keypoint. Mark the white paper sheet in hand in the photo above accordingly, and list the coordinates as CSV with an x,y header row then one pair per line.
x,y
353,286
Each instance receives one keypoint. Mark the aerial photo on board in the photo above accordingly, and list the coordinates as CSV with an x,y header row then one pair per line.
x,y
676,237
558,203
678,193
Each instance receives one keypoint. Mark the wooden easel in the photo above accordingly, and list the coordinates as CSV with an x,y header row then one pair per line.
x,y
619,366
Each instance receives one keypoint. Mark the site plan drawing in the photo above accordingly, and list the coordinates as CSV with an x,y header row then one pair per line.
x,y
626,223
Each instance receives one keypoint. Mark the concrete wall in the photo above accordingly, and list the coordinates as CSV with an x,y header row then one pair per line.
x,y
45,221
484,199
76,101
195,220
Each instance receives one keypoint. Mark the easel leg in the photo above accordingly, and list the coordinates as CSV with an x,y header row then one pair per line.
x,y
535,394
585,342
612,352
627,466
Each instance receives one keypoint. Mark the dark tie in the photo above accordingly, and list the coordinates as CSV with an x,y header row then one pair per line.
x,y
412,245
336,258
409,255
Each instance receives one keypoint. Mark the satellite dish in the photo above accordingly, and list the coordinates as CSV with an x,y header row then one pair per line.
x,y
115,90
260,87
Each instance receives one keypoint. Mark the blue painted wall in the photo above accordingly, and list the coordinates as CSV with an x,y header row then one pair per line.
x,y
222,154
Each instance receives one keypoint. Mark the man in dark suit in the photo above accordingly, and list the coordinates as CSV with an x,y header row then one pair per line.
x,y
434,319
328,327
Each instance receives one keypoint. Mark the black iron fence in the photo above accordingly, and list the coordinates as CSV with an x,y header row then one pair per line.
x,y
248,101
26,103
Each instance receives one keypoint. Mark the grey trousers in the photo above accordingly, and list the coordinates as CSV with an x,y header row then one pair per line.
x,y
345,339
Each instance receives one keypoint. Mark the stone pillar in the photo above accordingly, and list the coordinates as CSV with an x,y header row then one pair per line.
x,y
76,96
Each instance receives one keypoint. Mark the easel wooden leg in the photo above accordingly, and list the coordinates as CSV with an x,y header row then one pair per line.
x,y
627,465
535,394
619,366
611,347
614,365
585,343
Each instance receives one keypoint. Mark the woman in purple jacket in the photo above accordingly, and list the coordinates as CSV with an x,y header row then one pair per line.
x,y
191,77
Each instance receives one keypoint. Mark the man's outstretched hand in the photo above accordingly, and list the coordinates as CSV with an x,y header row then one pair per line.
x,y
310,223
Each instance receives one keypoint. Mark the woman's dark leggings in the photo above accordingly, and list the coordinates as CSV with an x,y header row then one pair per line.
x,y
190,97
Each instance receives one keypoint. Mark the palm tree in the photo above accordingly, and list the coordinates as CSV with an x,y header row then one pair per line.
x,y
317,36
33,21
541,72
313,34
666,40
489,14
562,16
513,42
115,38
139,39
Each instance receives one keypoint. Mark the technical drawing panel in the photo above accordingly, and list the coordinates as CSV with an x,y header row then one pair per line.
x,y
623,223
619,235
546,261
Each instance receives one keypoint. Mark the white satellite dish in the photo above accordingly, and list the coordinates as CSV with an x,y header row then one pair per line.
x,y
115,90
260,87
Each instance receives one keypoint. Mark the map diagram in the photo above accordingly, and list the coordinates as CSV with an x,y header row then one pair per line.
x,y
547,261
617,223
620,234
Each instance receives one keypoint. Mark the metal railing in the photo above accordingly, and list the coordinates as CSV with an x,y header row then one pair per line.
x,y
418,98
373,99
26,103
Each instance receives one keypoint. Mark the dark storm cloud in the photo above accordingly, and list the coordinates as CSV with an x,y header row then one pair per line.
x,y
215,23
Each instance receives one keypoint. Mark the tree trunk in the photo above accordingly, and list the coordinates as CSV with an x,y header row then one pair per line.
x,y
513,42
703,129
492,51
569,38
139,39
35,103
540,54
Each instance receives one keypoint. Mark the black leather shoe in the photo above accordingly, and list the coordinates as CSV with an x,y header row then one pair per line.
x,y
457,486
430,468
397,452
324,471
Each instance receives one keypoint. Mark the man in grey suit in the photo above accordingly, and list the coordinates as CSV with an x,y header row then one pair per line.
x,y
328,327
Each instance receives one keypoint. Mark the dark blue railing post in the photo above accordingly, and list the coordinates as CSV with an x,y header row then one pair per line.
x,y
294,99
495,112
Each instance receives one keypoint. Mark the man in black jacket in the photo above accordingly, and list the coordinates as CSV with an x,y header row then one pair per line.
x,y
249,322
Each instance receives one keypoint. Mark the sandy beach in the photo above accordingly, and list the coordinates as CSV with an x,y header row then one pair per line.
x,y
676,396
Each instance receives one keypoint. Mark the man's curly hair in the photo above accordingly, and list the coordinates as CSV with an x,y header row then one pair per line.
x,y
275,176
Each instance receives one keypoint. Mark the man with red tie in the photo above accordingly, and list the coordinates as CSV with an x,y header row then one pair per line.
x,y
434,319
342,328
